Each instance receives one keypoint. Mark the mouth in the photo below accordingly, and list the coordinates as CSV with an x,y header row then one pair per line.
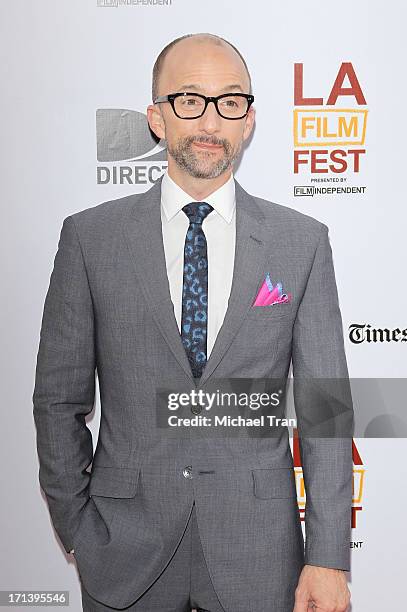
x,y
206,146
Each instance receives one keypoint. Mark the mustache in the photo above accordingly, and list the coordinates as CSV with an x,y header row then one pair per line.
x,y
207,140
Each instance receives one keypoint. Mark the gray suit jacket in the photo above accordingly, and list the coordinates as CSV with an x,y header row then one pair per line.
x,y
108,310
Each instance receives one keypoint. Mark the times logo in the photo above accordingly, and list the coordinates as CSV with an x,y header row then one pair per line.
x,y
363,332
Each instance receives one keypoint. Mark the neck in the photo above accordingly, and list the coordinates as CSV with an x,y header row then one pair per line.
x,y
198,189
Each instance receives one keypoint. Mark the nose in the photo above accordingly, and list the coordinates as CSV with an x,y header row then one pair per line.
x,y
211,120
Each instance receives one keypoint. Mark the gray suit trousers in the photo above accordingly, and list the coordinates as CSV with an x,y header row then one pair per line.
x,y
184,584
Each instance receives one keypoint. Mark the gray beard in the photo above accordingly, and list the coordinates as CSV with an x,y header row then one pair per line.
x,y
199,165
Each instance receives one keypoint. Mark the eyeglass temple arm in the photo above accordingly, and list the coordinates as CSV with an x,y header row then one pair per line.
x,y
161,99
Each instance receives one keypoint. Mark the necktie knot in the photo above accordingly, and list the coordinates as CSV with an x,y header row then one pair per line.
x,y
197,211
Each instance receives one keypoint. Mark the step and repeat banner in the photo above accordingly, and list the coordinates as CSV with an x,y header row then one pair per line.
x,y
329,86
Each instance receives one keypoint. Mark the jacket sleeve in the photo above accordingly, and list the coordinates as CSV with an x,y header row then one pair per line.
x,y
324,409
64,387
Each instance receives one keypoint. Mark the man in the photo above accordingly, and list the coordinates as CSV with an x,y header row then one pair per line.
x,y
172,288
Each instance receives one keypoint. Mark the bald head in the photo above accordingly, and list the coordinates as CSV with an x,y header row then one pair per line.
x,y
196,57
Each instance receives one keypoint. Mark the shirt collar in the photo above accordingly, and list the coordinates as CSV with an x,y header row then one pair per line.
x,y
173,198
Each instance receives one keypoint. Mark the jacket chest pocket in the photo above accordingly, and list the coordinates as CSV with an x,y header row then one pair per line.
x,y
262,326
271,313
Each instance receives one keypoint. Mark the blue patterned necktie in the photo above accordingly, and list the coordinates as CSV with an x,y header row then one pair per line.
x,y
195,288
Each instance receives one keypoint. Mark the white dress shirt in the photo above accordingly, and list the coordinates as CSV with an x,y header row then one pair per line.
x,y
220,231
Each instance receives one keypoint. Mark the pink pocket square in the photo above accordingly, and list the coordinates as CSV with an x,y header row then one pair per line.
x,y
270,294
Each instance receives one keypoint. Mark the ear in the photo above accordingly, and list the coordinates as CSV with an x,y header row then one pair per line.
x,y
156,121
249,123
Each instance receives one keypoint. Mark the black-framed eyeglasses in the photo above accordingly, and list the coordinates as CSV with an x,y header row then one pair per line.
x,y
188,105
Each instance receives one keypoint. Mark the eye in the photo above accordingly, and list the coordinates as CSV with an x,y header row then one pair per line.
x,y
189,101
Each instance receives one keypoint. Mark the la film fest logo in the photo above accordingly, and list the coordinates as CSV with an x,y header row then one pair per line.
x,y
358,481
329,134
360,333
128,152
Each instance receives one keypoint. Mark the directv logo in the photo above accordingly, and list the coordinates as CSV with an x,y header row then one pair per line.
x,y
130,152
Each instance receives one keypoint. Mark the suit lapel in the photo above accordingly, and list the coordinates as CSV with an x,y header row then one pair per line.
x,y
250,252
143,233
144,236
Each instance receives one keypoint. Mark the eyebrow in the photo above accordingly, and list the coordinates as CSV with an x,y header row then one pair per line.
x,y
192,86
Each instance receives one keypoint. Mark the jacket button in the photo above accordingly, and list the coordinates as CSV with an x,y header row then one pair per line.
x,y
196,409
187,471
